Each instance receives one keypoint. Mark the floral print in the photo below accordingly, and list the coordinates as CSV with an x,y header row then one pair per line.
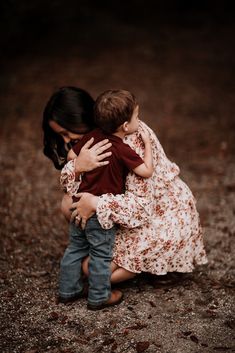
x,y
165,234
67,178
159,229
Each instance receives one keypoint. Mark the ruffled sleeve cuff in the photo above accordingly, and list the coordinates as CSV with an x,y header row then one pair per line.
x,y
67,179
126,209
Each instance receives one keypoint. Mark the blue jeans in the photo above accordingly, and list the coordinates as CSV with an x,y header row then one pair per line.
x,y
98,244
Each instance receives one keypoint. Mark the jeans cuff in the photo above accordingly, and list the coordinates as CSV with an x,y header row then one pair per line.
x,y
69,295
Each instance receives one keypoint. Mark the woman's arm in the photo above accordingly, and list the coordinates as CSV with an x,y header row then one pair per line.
x,y
128,210
136,206
131,209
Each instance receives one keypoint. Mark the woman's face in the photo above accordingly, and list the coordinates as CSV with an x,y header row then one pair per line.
x,y
67,135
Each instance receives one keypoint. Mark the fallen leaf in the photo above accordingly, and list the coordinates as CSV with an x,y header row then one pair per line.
x,y
53,316
152,304
194,339
187,333
142,346
108,341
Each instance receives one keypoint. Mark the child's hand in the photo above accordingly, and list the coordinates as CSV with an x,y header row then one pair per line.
x,y
145,137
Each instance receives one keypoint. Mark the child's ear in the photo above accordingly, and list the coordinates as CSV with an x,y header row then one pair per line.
x,y
125,126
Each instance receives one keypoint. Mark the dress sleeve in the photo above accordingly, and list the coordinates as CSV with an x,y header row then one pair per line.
x,y
137,205
67,178
134,207
127,209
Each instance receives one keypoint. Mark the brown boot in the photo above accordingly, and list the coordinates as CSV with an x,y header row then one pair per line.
x,y
116,298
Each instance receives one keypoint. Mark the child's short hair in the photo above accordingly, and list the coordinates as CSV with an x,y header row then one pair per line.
x,y
113,108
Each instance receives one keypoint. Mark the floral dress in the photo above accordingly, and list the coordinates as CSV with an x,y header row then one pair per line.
x,y
160,229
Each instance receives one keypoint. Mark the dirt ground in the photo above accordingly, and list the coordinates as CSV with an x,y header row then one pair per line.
x,y
182,75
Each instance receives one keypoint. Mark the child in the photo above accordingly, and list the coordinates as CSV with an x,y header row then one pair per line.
x,y
116,115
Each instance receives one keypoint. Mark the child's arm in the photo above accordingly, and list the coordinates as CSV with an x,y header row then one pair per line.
x,y
145,169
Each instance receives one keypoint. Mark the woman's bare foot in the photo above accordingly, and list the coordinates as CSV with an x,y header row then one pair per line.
x,y
119,274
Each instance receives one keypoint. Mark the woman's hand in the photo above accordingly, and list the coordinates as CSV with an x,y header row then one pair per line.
x,y
84,208
93,157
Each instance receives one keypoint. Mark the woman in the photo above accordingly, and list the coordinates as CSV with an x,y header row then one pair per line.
x,y
159,230
68,115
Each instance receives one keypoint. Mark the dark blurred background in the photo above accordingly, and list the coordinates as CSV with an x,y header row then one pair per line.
x,y
58,24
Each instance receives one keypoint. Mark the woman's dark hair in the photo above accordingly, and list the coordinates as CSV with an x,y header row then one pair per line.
x,y
70,107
